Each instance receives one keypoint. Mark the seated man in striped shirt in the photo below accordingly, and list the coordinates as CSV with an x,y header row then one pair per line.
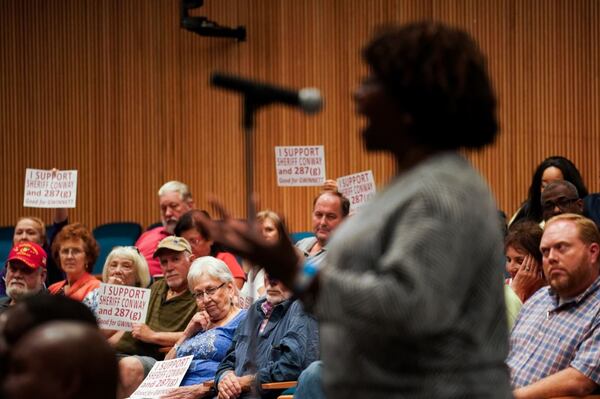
x,y
554,343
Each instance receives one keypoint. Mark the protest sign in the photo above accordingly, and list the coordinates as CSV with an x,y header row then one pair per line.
x,y
358,188
50,189
300,165
163,377
119,306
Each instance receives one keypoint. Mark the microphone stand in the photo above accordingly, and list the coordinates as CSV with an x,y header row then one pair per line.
x,y
251,105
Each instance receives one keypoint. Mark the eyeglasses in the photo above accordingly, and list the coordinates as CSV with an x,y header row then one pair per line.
x,y
70,251
196,241
208,292
561,203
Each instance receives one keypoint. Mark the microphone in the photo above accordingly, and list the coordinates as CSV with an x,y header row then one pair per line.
x,y
308,99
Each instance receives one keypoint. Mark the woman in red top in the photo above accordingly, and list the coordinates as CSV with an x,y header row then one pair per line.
x,y
189,228
75,250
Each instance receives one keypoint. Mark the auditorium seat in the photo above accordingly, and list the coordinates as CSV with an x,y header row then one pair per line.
x,y
6,240
299,235
287,388
114,234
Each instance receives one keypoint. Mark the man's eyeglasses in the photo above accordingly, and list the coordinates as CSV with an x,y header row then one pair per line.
x,y
208,292
561,203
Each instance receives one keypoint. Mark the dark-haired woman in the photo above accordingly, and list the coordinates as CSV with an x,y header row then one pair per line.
x,y
408,297
524,259
551,169
189,228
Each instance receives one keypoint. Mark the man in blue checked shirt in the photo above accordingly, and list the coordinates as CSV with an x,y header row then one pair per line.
x,y
555,343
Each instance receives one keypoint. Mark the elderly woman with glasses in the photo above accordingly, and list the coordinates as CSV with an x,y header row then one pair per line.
x,y
75,250
208,335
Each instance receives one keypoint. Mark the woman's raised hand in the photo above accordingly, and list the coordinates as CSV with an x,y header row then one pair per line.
x,y
529,278
280,259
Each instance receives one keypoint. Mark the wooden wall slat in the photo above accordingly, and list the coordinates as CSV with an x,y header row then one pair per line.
x,y
116,90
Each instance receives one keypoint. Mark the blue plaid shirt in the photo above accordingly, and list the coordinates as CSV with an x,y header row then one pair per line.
x,y
548,337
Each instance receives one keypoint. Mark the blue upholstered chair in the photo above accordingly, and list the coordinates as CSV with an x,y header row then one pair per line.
x,y
111,235
6,241
297,236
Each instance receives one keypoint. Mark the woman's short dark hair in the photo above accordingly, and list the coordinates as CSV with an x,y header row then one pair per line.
x,y
439,77
76,231
533,206
191,220
526,237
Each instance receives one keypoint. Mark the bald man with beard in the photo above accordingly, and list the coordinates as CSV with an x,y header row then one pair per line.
x,y
62,360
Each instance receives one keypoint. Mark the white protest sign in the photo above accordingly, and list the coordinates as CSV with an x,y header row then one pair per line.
x,y
300,165
119,306
163,377
48,189
358,188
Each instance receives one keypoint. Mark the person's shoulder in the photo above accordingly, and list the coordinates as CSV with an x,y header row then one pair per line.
x,y
228,258
296,307
154,233
56,286
93,283
239,317
158,286
306,243
539,298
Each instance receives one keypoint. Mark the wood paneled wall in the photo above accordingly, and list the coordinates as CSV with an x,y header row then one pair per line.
x,y
116,90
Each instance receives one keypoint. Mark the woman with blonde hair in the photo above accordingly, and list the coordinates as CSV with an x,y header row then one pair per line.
x,y
123,266
272,228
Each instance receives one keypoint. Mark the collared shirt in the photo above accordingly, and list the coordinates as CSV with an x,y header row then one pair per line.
x,y
164,315
549,337
306,244
147,244
288,344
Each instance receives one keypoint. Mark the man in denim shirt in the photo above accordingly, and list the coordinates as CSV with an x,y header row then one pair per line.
x,y
285,340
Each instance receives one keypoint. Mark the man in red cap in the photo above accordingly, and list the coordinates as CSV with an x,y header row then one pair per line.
x,y
25,272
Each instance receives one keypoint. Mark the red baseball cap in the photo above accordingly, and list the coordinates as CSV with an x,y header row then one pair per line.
x,y
29,253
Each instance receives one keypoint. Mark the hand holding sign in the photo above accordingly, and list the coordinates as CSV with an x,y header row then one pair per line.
x,y
358,188
163,378
300,165
122,306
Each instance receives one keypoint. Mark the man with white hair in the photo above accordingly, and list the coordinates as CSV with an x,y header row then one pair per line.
x,y
25,272
285,340
174,199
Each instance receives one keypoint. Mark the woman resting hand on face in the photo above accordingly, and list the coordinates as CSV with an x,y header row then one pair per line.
x,y
210,332
524,259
